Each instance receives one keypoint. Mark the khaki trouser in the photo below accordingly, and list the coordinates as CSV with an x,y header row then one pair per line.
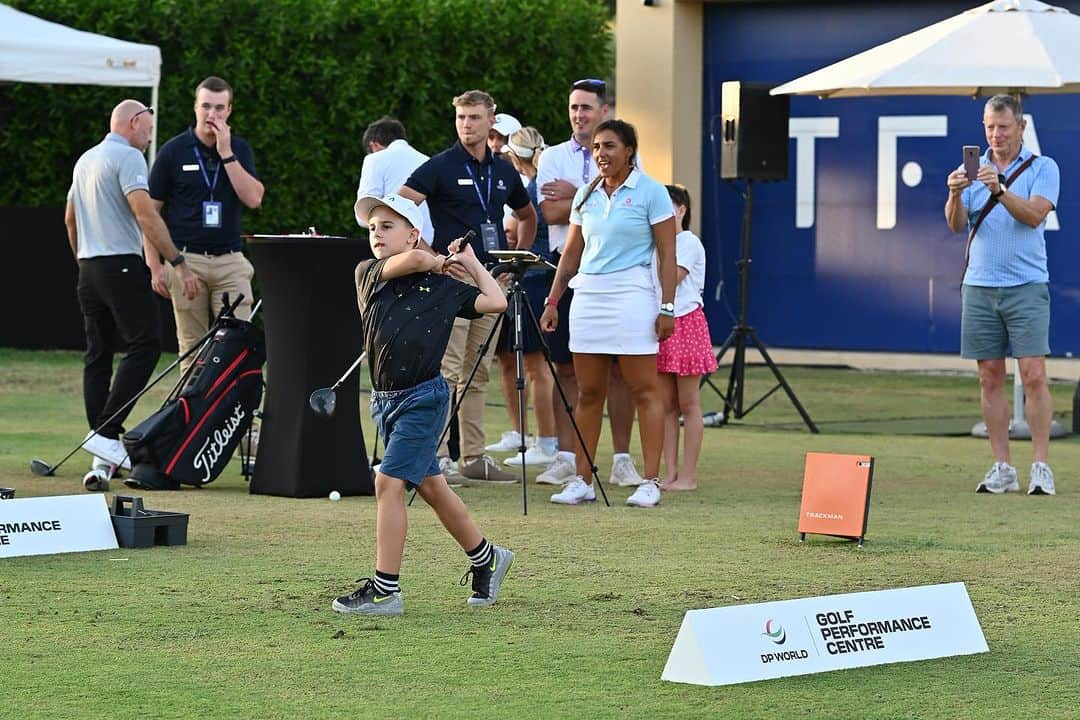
x,y
465,341
230,273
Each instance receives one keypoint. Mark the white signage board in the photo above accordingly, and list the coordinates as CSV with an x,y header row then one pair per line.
x,y
743,643
61,524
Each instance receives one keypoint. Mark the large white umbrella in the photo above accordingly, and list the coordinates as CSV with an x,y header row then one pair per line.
x,y
1006,46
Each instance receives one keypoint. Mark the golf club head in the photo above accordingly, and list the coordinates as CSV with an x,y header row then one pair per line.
x,y
41,468
322,402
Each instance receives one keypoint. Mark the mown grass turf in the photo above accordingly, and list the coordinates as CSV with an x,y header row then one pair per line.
x,y
237,622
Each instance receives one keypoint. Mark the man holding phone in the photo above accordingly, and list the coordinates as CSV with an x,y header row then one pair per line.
x,y
201,181
466,187
1006,299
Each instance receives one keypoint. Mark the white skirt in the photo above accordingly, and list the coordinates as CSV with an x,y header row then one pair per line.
x,y
615,313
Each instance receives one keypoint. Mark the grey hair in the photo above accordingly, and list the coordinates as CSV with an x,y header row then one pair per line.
x,y
1005,102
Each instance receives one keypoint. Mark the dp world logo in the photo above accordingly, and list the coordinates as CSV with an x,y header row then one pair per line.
x,y
775,632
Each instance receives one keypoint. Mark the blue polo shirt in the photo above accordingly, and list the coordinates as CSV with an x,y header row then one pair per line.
x,y
177,180
618,229
1005,251
462,194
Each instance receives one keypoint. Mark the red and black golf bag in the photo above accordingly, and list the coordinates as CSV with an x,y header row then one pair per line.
x,y
191,438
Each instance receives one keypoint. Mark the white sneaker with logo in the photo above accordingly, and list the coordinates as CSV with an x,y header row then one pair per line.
x,y
533,456
559,472
1001,478
624,474
511,440
647,495
108,449
1042,480
576,491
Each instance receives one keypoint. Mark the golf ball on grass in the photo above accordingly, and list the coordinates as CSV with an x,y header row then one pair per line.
x,y
335,495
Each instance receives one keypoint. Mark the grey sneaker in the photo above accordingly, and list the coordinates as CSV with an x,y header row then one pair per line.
x,y
365,601
487,580
449,469
559,472
485,469
1000,479
624,474
1042,480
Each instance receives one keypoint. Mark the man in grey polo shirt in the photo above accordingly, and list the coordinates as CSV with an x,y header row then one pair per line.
x,y
1006,300
108,215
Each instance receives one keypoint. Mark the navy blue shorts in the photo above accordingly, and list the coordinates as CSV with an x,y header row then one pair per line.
x,y
537,285
410,422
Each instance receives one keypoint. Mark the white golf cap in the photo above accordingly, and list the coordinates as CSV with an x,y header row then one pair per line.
x,y
402,206
506,124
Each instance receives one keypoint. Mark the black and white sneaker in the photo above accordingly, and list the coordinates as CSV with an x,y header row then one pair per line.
x,y
366,601
487,580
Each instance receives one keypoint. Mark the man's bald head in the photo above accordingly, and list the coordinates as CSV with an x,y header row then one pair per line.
x,y
133,121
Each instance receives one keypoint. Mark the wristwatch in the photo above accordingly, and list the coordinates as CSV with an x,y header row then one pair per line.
x,y
667,309
999,193
178,260
226,161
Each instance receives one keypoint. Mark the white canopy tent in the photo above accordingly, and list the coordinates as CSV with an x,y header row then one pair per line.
x,y
39,51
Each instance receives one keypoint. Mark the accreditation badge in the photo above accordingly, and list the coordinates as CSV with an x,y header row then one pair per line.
x,y
211,214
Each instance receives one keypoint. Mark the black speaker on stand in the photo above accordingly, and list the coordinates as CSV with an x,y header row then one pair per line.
x,y
754,147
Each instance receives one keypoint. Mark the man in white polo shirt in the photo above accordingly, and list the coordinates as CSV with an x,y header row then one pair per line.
x,y
562,170
389,163
109,213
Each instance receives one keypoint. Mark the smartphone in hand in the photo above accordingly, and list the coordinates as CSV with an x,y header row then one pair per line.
x,y
971,161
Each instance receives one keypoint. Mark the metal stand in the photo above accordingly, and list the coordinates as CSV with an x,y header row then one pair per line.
x,y
741,333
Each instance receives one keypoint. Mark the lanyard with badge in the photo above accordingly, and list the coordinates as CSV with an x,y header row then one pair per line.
x,y
488,231
211,209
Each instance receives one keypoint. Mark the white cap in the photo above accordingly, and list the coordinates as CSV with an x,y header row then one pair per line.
x,y
506,124
402,206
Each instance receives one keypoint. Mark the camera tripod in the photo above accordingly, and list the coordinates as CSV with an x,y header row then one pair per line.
x,y
519,311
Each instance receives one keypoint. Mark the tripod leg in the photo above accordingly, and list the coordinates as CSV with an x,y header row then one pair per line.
x,y
517,295
783,383
566,404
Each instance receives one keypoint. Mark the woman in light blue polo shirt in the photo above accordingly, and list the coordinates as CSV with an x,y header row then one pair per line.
x,y
617,223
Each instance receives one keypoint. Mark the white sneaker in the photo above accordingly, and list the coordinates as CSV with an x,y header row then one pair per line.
x,y
1042,480
559,472
576,491
107,449
647,495
533,456
510,442
624,474
1001,478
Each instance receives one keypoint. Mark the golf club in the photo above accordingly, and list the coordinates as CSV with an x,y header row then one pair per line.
x,y
324,400
43,469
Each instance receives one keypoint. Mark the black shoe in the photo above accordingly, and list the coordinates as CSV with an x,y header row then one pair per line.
x,y
487,580
366,601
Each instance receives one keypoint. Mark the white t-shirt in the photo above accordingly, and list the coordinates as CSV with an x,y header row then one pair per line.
x,y
689,254
561,162
385,171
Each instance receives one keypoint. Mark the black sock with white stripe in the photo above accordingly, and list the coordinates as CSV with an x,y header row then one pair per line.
x,y
480,556
385,583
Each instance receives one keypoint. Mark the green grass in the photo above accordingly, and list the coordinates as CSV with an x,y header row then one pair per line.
x,y
237,622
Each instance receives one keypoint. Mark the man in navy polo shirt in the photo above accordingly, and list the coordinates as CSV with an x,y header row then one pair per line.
x,y
466,187
201,181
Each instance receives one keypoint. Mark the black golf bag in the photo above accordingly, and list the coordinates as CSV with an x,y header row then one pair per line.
x,y
191,438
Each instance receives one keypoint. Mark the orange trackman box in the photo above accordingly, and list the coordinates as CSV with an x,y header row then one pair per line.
x,y
836,495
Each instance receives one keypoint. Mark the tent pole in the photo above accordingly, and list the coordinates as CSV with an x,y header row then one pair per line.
x,y
157,114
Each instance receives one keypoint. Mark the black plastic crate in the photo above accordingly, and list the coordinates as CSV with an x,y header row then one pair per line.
x,y
7,493
137,527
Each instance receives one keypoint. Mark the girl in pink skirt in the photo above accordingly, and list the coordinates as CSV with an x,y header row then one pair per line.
x,y
685,356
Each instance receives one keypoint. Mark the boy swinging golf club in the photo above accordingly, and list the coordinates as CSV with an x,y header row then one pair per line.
x,y
408,303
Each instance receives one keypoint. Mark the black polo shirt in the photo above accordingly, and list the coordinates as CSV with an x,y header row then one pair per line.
x,y
454,183
407,322
177,181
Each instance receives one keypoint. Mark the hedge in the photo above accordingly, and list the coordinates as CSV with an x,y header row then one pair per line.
x,y
309,75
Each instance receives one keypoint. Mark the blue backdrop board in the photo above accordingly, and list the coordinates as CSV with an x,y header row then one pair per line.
x,y
852,251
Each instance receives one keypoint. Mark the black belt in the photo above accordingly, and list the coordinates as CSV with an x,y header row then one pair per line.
x,y
207,253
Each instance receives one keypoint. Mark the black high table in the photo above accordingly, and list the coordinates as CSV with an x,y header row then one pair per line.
x,y
313,334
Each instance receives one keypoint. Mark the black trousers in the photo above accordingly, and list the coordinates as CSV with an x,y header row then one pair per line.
x,y
118,306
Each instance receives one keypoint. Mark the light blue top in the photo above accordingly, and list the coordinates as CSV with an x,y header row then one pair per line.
x,y
102,179
1006,252
618,229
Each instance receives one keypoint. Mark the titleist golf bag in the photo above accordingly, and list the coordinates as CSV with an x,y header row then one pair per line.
x,y
191,438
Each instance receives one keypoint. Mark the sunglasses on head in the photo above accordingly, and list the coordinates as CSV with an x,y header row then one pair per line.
x,y
144,110
590,85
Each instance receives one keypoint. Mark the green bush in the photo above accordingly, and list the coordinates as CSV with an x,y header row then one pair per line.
x,y
309,75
